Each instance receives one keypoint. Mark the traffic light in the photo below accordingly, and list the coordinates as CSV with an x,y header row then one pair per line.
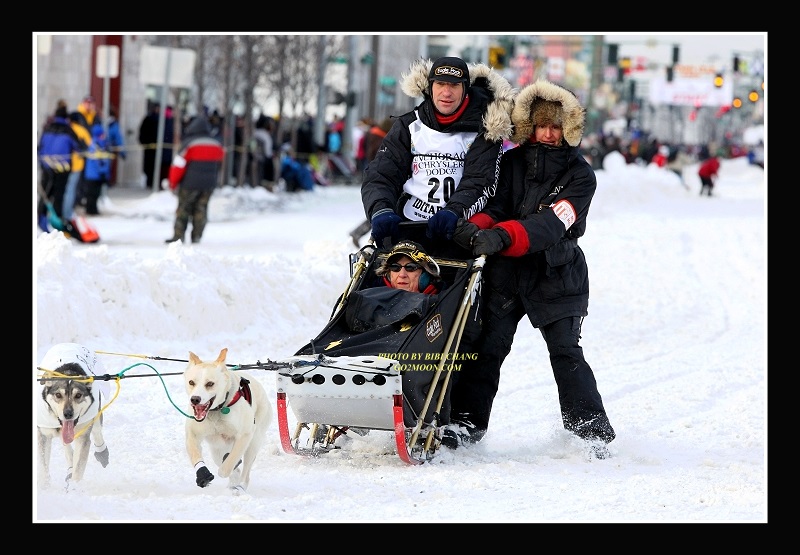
x,y
670,74
623,69
718,80
736,64
497,57
613,50
676,54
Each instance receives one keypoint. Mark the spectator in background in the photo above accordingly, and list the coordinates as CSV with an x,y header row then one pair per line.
x,y
148,138
306,148
661,157
708,171
86,112
374,138
116,143
55,151
61,103
359,133
678,159
756,155
336,164
297,175
166,150
194,173
96,172
264,153
78,162
239,153
372,141
217,125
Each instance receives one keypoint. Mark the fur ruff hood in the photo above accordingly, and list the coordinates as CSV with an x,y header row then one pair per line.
x,y
572,113
496,119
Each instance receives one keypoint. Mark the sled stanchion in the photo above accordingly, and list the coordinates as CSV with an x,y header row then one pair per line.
x,y
455,335
361,266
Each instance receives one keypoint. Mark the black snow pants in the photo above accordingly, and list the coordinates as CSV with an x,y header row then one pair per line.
x,y
475,387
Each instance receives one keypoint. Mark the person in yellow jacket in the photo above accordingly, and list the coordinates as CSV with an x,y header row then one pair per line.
x,y
81,121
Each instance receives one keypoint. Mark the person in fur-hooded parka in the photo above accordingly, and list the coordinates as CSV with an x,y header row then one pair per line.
x,y
530,230
429,160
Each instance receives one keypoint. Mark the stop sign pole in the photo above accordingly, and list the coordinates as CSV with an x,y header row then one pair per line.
x,y
107,68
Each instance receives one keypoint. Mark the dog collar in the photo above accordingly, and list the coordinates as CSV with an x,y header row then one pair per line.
x,y
243,391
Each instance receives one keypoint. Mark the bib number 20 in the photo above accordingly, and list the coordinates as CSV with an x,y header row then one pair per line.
x,y
445,188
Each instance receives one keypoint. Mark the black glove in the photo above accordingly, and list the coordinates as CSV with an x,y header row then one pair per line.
x,y
442,224
464,233
490,241
384,224
204,476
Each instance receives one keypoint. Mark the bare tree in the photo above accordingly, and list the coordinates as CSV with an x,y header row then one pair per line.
x,y
240,72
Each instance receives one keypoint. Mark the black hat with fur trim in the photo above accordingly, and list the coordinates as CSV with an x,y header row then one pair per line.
x,y
415,252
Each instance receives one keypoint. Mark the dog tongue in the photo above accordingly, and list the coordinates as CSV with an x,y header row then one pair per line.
x,y
68,431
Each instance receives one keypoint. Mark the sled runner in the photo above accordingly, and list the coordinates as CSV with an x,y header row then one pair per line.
x,y
395,375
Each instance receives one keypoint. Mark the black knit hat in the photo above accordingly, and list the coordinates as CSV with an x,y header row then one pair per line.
x,y
449,69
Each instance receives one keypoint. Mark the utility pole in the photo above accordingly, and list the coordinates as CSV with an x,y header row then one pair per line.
x,y
350,99
373,75
322,97
595,78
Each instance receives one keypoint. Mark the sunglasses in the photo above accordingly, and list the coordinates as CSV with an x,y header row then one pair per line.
x,y
410,267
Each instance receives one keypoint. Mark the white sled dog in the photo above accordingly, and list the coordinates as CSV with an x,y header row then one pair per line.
x,y
231,414
68,408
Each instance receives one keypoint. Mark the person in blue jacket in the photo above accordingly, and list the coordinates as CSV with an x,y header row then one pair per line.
x,y
56,145
96,171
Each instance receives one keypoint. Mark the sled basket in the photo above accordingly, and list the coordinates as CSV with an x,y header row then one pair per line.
x,y
394,376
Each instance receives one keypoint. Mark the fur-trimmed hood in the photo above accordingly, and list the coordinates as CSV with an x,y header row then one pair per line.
x,y
573,115
496,119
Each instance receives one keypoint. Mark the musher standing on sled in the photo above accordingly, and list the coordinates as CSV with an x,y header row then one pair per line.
x,y
451,141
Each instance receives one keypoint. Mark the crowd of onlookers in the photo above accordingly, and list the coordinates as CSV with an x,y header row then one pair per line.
x,y
293,162
641,149
77,152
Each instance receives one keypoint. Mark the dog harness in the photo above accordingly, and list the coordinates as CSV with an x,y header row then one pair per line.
x,y
243,391
57,356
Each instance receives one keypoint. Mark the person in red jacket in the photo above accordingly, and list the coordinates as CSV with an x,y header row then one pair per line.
x,y
708,171
194,174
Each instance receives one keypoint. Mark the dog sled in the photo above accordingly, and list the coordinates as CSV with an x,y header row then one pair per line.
x,y
394,376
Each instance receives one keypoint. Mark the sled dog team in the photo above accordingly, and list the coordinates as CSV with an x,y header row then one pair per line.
x,y
231,414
